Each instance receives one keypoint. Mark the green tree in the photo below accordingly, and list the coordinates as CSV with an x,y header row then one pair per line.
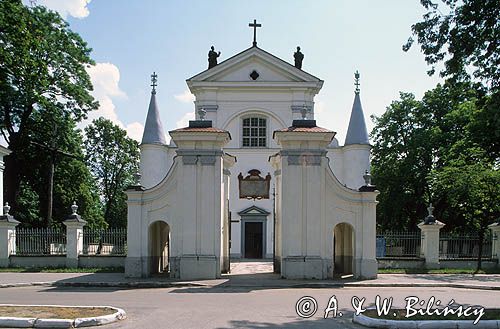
x,y
401,162
470,185
113,159
465,37
413,138
72,179
462,34
42,68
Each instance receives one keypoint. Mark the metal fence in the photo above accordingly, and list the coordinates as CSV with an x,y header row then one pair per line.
x,y
398,244
40,241
463,246
111,241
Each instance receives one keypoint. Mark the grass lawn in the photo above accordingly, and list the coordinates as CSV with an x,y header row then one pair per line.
x,y
62,270
438,271
51,312
489,314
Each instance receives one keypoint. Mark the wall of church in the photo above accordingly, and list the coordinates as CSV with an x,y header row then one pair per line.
x,y
248,159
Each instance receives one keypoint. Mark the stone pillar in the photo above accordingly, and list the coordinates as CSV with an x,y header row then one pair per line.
x,y
495,237
301,162
7,236
136,265
429,246
200,205
74,237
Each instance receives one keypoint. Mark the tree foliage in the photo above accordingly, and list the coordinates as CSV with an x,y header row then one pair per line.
x,y
42,68
465,35
113,160
420,145
72,179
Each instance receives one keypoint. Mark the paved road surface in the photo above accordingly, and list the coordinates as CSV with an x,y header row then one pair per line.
x,y
250,298
230,307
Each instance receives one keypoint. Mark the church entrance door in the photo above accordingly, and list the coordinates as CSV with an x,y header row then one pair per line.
x,y
253,239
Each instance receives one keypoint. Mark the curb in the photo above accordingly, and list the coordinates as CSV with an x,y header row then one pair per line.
x,y
159,284
129,285
421,324
17,322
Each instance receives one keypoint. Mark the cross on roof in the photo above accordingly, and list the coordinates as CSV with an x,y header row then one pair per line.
x,y
154,79
255,26
356,81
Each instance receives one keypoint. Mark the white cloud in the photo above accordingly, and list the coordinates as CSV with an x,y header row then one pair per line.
x,y
184,121
185,97
105,78
75,8
135,131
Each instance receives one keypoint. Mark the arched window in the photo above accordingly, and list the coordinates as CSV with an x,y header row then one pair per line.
x,y
254,132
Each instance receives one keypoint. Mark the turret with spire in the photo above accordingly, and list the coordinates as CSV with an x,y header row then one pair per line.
x,y
357,145
356,132
154,158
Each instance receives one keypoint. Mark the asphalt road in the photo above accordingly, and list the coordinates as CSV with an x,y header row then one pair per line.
x,y
233,307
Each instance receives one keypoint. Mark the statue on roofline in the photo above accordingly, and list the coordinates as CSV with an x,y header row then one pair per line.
x,y
212,57
298,56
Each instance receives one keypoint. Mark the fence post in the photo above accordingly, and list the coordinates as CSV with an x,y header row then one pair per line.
x,y
74,237
429,247
495,240
7,236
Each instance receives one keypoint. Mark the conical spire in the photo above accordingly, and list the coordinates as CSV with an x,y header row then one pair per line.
x,y
357,133
153,130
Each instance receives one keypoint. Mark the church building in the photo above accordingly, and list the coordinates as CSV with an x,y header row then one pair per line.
x,y
253,176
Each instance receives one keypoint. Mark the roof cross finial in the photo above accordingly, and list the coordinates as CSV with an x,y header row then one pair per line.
x,y
356,81
255,26
154,80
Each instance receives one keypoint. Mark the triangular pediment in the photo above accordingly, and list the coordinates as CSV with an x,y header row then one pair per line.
x,y
254,211
239,68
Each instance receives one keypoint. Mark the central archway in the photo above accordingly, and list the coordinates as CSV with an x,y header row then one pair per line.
x,y
159,248
343,249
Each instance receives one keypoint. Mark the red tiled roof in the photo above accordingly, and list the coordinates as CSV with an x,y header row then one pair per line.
x,y
306,129
202,130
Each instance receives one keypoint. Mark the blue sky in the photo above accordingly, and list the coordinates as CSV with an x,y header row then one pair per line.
x,y
132,38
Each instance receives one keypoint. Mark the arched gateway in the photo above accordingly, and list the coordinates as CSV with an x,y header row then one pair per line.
x,y
159,247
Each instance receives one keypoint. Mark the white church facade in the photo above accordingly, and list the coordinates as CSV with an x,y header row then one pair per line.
x,y
253,177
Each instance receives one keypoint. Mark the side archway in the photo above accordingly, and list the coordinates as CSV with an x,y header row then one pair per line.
x,y
343,249
159,248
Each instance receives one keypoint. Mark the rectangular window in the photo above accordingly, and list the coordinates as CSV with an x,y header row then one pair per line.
x,y
254,132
